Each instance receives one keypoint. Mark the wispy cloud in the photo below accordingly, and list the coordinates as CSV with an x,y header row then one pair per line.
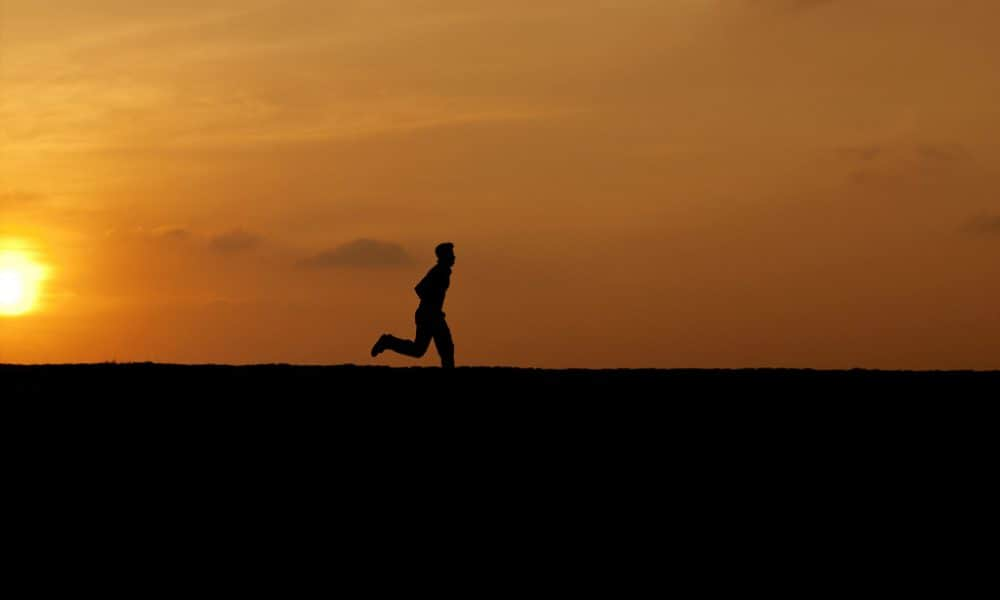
x,y
804,4
943,152
235,241
983,225
363,253
862,153
18,199
174,234
788,5
245,76
896,162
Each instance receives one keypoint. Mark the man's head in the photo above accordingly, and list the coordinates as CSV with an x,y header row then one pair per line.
x,y
445,253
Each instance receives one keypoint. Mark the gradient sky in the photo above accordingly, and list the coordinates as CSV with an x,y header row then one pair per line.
x,y
628,183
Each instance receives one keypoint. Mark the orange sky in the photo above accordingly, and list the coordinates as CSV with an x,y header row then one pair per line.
x,y
636,183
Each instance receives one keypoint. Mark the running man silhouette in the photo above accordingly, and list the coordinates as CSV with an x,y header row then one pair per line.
x,y
429,315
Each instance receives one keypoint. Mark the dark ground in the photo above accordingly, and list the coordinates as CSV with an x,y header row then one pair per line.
x,y
593,478
348,383
306,421
498,410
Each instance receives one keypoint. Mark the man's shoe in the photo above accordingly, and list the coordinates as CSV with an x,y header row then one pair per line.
x,y
379,346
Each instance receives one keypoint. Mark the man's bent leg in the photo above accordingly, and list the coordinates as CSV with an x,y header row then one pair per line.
x,y
415,348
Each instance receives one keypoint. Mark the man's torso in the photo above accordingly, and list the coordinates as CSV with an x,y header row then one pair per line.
x,y
432,289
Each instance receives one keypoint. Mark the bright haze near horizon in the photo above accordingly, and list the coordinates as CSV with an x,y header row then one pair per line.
x,y
638,183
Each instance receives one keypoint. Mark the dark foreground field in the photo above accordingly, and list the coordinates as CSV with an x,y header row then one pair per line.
x,y
289,405
592,477
350,384
314,417
505,408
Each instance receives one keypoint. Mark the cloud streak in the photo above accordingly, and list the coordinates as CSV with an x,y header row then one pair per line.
x,y
17,199
235,241
173,234
362,253
789,5
983,225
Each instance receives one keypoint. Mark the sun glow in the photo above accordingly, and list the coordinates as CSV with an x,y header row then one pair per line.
x,y
20,283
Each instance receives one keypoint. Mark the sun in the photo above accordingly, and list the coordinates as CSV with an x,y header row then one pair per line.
x,y
20,283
